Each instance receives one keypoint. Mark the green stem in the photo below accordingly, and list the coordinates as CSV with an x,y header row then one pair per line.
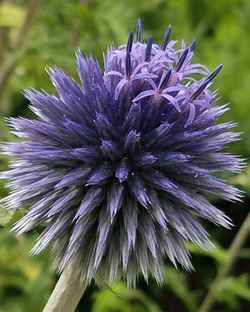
x,y
67,292
226,265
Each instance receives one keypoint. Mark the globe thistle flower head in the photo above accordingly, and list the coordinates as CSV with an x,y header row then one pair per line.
x,y
118,167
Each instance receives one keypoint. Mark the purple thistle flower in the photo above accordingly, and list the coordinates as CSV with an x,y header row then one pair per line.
x,y
118,168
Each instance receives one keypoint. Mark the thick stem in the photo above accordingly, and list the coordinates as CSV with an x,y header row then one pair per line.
x,y
226,265
67,292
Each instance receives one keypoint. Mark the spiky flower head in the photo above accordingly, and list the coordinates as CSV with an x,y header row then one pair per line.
x,y
118,167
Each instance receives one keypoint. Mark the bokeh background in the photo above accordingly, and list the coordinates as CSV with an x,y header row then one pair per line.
x,y
34,34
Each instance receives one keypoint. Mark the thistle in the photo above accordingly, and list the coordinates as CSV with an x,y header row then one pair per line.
x,y
118,167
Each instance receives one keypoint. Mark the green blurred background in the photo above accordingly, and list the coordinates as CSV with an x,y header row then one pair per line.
x,y
34,34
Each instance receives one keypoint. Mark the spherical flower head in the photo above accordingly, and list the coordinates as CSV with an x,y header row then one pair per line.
x,y
118,167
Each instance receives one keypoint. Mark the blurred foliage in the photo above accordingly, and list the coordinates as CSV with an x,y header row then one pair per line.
x,y
11,15
124,300
5,216
25,283
221,29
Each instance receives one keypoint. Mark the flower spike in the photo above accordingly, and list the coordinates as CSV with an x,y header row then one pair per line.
x,y
165,79
206,82
166,37
138,31
148,49
128,64
192,46
182,59
130,41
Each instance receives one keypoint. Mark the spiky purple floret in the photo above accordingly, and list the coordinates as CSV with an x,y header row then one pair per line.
x,y
118,168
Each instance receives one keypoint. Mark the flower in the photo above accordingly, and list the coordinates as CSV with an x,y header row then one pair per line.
x,y
118,168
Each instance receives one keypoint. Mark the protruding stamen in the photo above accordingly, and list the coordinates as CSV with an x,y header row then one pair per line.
x,y
166,38
192,46
148,49
165,80
138,31
182,59
206,82
130,41
128,64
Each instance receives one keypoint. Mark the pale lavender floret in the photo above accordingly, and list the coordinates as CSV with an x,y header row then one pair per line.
x,y
118,168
